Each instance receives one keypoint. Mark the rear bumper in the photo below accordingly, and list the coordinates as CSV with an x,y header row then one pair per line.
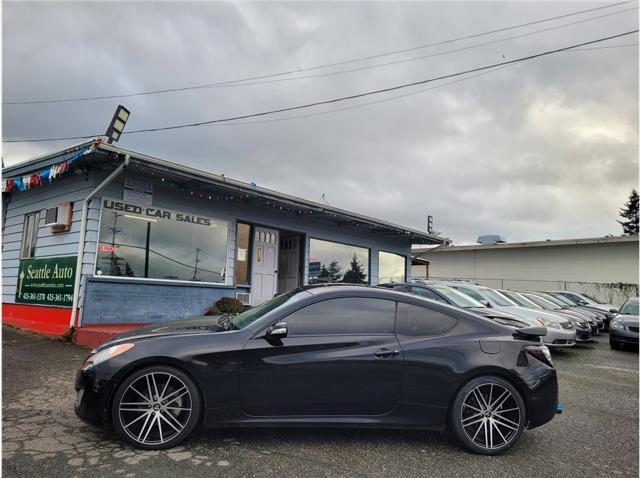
x,y
542,400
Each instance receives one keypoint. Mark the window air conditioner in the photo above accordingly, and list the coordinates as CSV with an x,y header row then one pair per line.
x,y
58,217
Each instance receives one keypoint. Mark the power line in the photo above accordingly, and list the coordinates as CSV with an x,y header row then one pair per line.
x,y
343,98
431,55
326,65
395,97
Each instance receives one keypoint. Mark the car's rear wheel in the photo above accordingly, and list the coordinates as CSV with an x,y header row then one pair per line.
x,y
488,415
156,407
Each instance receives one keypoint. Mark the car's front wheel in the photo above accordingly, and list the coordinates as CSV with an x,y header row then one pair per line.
x,y
614,344
488,415
156,407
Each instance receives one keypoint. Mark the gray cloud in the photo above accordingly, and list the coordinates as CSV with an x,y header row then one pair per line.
x,y
546,149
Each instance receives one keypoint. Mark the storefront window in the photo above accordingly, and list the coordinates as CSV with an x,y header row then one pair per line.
x,y
392,267
149,242
243,236
333,262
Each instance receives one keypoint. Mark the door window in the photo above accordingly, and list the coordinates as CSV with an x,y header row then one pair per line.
x,y
352,315
414,321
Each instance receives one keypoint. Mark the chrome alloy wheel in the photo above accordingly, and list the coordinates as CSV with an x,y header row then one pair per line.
x,y
155,408
490,416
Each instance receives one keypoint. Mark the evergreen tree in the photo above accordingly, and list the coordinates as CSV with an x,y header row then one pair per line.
x,y
629,213
335,271
324,272
355,275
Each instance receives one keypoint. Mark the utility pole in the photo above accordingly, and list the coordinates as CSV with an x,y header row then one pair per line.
x,y
195,268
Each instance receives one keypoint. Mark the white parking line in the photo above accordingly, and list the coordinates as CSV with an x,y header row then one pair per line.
x,y
616,368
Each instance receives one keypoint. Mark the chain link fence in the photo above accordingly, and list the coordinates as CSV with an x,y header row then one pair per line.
x,y
609,293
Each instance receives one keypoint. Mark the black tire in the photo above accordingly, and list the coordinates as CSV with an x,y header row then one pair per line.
x,y
613,343
178,414
464,408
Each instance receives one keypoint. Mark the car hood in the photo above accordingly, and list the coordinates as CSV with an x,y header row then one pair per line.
x,y
492,312
191,325
603,307
532,314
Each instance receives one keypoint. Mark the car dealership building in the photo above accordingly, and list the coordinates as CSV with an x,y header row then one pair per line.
x,y
97,239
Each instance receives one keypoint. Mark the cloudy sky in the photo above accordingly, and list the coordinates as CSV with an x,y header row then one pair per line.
x,y
542,149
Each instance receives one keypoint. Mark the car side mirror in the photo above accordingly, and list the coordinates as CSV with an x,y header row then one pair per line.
x,y
487,303
277,331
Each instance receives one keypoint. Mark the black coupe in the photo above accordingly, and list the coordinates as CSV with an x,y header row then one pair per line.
x,y
340,356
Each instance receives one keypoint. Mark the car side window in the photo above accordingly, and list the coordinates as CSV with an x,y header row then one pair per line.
x,y
414,321
348,315
426,293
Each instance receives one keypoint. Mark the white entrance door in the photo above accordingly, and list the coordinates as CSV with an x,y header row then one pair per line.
x,y
288,266
264,269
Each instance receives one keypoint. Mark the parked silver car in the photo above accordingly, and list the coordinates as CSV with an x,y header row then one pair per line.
x,y
560,332
586,301
581,323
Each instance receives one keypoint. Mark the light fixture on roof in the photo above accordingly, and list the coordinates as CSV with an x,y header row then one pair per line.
x,y
118,122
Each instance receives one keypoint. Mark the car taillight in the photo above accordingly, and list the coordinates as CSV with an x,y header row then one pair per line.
x,y
541,352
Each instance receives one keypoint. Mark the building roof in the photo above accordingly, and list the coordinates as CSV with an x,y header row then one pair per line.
x,y
423,252
116,153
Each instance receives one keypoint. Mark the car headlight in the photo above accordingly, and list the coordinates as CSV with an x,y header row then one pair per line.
x,y
548,323
617,324
106,354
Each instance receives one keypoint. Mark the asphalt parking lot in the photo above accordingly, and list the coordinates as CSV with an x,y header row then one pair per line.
x,y
597,434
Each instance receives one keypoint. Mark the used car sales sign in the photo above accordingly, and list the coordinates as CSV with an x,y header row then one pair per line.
x,y
46,281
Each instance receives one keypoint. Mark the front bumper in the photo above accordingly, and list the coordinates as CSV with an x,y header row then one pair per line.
x,y
583,335
623,336
559,338
92,399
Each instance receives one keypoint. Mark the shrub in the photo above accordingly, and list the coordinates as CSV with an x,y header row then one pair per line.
x,y
226,305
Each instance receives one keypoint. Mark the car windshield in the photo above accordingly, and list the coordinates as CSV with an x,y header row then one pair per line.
x,y
518,299
592,299
458,298
564,300
630,307
495,296
248,317
544,303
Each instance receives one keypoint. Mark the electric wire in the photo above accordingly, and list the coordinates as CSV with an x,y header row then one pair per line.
x,y
249,80
343,98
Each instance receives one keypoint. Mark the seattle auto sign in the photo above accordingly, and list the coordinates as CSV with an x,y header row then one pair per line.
x,y
47,281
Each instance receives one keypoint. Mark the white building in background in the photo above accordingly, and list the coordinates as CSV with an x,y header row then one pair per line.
x,y
604,267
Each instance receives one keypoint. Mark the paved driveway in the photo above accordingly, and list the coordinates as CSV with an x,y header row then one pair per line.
x,y
596,436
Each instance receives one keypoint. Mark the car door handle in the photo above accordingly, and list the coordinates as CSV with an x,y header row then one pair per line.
x,y
386,353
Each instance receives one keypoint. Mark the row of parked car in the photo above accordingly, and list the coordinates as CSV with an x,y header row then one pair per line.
x,y
569,317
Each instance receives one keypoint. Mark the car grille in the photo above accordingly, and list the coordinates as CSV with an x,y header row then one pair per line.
x,y
633,329
566,325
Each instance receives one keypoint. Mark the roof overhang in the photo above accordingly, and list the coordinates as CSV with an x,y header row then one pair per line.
x,y
201,182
